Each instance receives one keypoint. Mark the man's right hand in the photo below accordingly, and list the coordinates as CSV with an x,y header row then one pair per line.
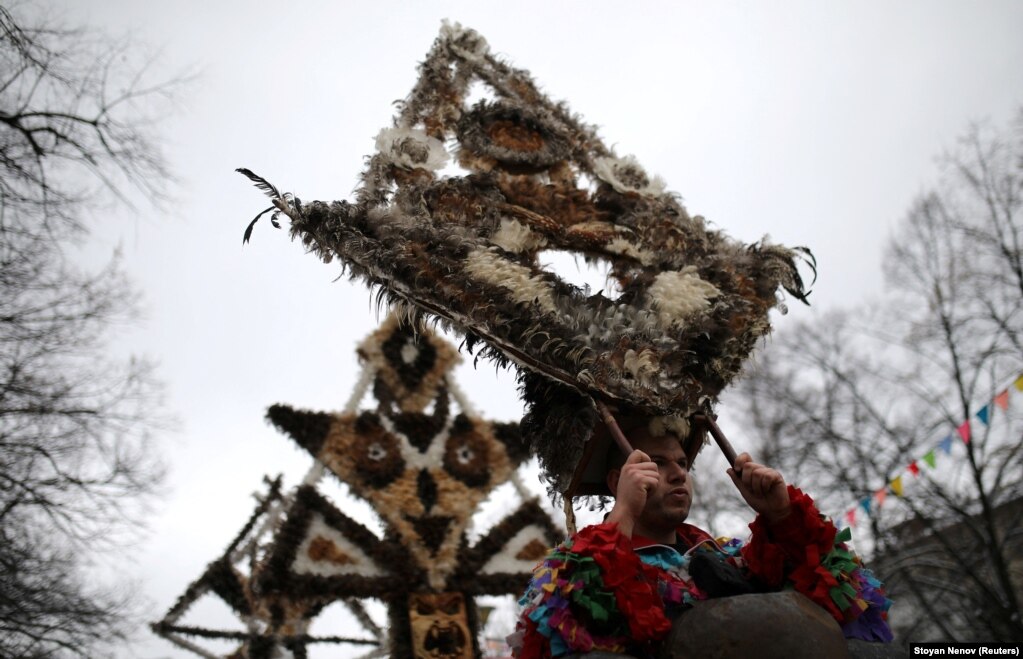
x,y
638,476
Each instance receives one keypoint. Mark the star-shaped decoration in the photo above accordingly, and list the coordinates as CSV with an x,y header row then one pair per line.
x,y
424,469
425,474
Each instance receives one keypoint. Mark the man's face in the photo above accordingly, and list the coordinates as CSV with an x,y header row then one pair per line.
x,y
667,505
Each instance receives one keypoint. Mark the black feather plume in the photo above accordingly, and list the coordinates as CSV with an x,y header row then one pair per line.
x,y
267,187
800,291
810,260
248,229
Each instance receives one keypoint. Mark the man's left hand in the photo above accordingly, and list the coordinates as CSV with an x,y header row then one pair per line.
x,y
763,488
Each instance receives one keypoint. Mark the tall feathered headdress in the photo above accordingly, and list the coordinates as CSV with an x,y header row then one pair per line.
x,y
460,242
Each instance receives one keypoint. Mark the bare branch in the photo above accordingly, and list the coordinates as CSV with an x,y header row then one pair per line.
x,y
77,464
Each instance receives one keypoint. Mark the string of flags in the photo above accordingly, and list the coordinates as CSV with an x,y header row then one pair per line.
x,y
872,502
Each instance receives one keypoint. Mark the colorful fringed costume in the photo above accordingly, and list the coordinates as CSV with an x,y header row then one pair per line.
x,y
601,590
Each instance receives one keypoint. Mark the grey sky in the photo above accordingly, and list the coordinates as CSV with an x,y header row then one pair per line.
x,y
814,122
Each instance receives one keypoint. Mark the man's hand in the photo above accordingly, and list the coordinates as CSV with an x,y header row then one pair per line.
x,y
638,476
763,488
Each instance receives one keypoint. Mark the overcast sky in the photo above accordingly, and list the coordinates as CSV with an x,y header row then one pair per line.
x,y
816,123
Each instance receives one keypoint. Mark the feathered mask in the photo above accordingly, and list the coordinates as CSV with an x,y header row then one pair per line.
x,y
462,243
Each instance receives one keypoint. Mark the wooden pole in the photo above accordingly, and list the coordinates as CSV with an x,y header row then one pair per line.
x,y
719,437
612,427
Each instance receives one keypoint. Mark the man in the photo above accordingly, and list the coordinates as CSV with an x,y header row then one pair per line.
x,y
613,585
653,491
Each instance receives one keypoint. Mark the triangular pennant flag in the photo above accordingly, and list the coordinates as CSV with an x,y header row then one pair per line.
x,y
964,431
946,445
897,486
929,458
850,516
880,496
983,413
1002,399
1019,383
865,504
913,468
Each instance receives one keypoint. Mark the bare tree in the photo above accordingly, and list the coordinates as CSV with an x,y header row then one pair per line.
x,y
76,461
847,402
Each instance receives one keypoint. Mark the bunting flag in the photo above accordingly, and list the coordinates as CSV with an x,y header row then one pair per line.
x,y
984,414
